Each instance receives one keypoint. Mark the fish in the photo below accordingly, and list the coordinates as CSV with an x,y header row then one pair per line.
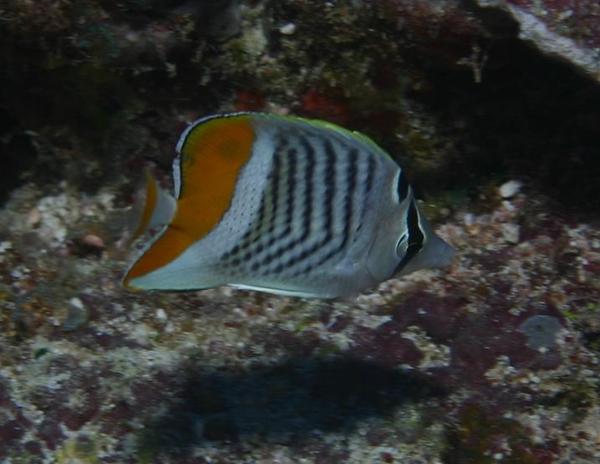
x,y
284,205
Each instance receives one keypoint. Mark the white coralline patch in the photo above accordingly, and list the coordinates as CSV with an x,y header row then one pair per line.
x,y
4,247
501,371
143,333
510,233
55,213
534,31
76,302
161,315
509,189
372,321
254,41
52,217
433,355
288,29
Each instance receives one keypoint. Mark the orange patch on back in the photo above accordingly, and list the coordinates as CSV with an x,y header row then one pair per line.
x,y
211,158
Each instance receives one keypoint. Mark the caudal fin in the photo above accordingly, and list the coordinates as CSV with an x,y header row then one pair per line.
x,y
155,207
436,253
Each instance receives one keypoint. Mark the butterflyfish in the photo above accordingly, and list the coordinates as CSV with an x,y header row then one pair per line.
x,y
283,205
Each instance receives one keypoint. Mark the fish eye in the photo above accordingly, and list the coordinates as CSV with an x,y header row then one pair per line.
x,y
402,245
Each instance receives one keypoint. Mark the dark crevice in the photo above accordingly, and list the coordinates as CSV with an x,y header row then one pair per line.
x,y
530,116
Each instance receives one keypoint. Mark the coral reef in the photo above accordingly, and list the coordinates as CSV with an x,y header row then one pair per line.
x,y
568,30
493,109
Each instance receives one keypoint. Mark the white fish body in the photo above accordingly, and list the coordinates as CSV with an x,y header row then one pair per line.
x,y
287,206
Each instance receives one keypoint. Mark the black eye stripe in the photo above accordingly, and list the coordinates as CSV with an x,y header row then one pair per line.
x,y
415,237
402,187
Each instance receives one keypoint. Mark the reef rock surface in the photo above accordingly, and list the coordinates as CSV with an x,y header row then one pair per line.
x,y
492,107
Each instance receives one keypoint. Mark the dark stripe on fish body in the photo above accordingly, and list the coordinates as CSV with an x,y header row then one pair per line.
x,y
328,177
415,237
307,209
276,193
367,183
351,170
274,190
250,236
284,200
266,221
351,176
249,254
291,193
402,186
330,189
330,182
253,231
231,252
279,194
309,185
370,173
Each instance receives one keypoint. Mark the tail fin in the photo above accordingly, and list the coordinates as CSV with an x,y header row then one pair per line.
x,y
436,253
155,207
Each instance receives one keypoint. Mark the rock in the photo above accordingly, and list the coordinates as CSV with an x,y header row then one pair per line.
x,y
568,30
509,189
93,241
510,233
288,29
77,315
541,331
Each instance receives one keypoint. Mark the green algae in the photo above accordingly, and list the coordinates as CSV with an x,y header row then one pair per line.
x,y
81,450
38,353
476,437
24,458
575,398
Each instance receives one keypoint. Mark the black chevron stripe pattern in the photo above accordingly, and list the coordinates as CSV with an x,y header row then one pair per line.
x,y
312,208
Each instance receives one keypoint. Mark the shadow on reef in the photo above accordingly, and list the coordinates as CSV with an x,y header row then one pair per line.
x,y
282,402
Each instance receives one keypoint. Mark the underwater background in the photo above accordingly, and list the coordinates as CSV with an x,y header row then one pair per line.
x,y
493,109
